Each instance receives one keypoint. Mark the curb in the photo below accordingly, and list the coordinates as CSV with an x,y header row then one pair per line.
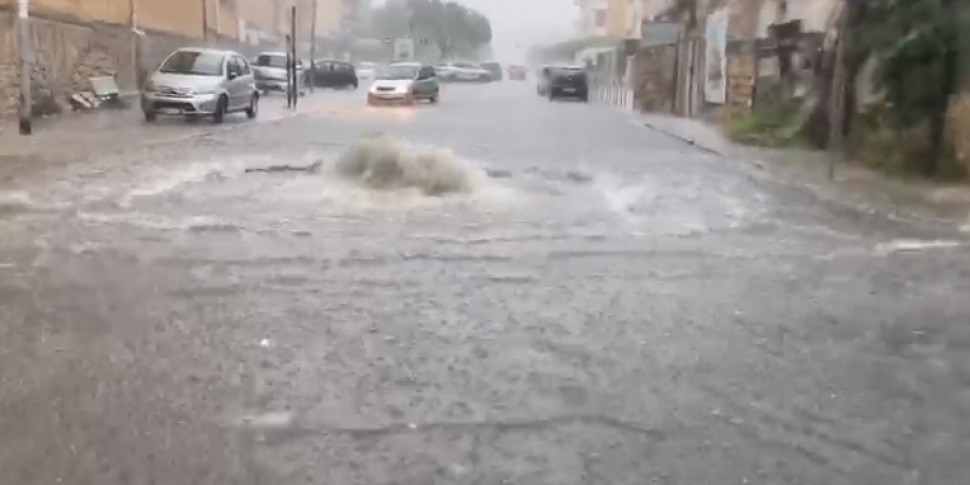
x,y
685,139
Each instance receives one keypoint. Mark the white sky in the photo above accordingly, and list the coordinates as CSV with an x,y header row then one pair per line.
x,y
519,24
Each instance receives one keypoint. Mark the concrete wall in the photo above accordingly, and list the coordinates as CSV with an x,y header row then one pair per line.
x,y
329,15
616,18
221,17
74,40
108,11
653,77
742,61
67,55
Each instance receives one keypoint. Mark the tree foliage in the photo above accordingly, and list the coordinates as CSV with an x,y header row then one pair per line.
x,y
918,47
454,28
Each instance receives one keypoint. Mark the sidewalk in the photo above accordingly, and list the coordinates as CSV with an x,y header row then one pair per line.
x,y
691,131
73,136
853,184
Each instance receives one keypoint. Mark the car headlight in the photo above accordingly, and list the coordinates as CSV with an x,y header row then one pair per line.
x,y
150,87
204,91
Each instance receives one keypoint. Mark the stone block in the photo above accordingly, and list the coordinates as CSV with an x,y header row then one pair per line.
x,y
959,125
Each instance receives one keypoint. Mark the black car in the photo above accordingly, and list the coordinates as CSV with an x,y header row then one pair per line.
x,y
335,74
566,82
495,69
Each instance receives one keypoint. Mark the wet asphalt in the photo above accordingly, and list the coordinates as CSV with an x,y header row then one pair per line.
x,y
603,305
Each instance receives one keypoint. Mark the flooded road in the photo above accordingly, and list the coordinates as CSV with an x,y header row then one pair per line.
x,y
594,303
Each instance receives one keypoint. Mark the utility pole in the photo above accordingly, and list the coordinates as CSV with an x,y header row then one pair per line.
x,y
293,83
205,21
837,94
136,41
218,19
289,66
313,45
26,66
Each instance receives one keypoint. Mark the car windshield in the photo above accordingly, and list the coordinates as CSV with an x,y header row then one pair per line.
x,y
399,72
566,71
271,61
193,62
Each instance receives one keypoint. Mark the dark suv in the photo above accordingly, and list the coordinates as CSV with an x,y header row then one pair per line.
x,y
334,74
567,82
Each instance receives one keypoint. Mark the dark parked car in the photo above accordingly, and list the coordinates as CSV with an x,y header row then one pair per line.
x,y
567,82
494,69
335,74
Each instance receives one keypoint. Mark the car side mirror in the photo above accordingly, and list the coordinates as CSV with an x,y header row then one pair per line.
x,y
232,75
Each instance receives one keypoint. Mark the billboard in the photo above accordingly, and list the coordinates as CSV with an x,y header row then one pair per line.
x,y
715,58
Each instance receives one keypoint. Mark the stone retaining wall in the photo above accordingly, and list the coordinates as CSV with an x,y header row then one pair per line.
x,y
654,74
68,53
65,56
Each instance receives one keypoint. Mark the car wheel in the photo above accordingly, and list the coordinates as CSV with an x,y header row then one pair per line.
x,y
253,108
485,78
150,116
433,99
220,115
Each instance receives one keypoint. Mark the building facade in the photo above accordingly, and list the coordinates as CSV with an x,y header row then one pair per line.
x,y
605,18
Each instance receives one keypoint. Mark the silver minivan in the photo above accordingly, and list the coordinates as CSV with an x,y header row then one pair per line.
x,y
269,69
201,82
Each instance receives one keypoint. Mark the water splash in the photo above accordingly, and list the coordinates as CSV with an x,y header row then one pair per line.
x,y
382,163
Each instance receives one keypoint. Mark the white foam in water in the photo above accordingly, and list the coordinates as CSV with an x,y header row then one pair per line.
x,y
913,245
381,163
165,181
621,199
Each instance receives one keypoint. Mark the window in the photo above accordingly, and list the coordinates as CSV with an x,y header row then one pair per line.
x,y
199,63
271,61
234,69
243,66
426,72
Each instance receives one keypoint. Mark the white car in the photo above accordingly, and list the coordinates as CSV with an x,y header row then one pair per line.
x,y
445,72
406,83
463,71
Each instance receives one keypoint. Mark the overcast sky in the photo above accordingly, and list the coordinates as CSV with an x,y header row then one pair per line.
x,y
518,24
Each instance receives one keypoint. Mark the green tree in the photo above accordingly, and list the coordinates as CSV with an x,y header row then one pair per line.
x,y
452,27
918,46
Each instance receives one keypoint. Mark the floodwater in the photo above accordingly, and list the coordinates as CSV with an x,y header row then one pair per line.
x,y
497,289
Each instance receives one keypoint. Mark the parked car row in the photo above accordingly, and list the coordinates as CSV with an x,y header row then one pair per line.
x,y
197,82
